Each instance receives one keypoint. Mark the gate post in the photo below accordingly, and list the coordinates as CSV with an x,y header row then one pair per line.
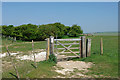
x,y
15,39
51,45
48,48
80,47
83,39
88,47
101,46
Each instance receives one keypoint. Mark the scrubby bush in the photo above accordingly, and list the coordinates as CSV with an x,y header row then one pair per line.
x,y
40,32
75,31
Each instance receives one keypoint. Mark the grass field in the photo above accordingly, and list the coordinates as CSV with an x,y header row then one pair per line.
x,y
26,70
105,65
21,46
106,34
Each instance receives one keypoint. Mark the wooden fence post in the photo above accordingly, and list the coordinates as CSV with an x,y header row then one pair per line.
x,y
83,39
51,45
34,54
15,39
48,48
13,64
88,47
101,46
80,47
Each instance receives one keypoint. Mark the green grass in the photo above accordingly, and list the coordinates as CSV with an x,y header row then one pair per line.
x,y
44,71
106,34
107,64
25,69
65,37
22,46
8,41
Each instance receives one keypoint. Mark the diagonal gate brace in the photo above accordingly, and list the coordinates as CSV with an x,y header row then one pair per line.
x,y
68,49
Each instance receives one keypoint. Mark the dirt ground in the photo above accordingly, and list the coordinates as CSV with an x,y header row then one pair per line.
x,y
69,69
73,69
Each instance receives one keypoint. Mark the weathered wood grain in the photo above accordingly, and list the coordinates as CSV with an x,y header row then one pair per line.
x,y
69,52
67,48
88,47
48,48
68,39
83,38
101,46
80,47
34,53
12,62
68,44
51,45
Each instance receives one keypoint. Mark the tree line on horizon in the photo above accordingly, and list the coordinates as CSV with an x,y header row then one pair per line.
x,y
29,32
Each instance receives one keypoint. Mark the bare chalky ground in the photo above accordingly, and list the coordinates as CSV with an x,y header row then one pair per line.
x,y
70,67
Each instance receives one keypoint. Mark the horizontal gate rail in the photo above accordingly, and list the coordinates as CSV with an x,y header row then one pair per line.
x,y
68,43
68,52
69,48
67,39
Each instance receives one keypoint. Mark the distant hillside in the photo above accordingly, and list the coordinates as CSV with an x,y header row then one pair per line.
x,y
106,33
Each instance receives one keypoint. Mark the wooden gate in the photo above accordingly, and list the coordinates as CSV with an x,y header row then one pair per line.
x,y
77,47
67,47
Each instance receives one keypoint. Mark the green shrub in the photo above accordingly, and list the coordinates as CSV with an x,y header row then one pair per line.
x,y
28,32
52,58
